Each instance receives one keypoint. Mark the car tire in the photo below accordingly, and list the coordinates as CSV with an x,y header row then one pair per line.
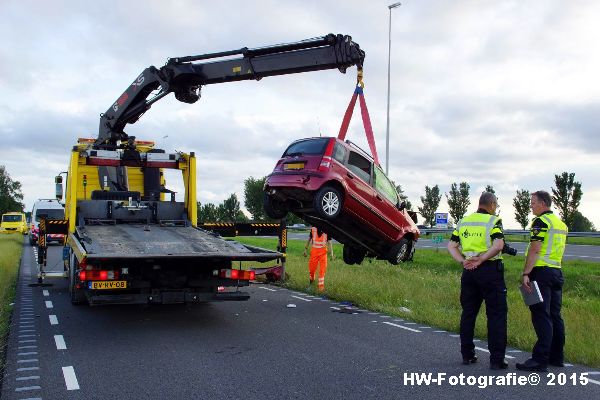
x,y
328,202
352,255
77,295
399,252
274,209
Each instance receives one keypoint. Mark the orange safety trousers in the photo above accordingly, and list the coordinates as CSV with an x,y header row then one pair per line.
x,y
318,257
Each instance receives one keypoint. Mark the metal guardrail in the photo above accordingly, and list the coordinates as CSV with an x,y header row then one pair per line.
x,y
427,231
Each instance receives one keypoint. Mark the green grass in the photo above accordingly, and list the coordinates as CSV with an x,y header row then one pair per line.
x,y
11,247
430,288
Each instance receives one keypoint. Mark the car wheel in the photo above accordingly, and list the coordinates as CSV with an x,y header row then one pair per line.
x,y
274,208
77,295
352,255
399,252
328,202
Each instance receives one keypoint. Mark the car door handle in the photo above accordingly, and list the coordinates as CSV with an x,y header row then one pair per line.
x,y
350,175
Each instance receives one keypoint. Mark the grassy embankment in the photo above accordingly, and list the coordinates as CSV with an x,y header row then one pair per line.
x,y
429,287
11,247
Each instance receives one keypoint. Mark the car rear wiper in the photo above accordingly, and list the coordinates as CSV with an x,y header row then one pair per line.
x,y
299,153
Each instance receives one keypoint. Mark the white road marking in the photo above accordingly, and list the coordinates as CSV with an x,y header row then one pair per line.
x,y
28,341
487,351
384,316
46,293
439,331
301,298
411,323
54,319
399,320
568,365
592,372
27,347
514,351
335,308
454,335
593,381
27,369
28,378
424,327
400,326
28,335
266,288
26,330
60,342
23,389
29,353
373,313
49,304
70,378
27,361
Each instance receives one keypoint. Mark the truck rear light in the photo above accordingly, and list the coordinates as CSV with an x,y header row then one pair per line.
x,y
326,160
98,275
237,274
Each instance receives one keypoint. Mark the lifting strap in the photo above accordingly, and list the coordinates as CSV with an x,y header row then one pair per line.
x,y
364,111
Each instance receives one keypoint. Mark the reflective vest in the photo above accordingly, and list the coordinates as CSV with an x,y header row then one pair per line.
x,y
555,240
319,242
475,232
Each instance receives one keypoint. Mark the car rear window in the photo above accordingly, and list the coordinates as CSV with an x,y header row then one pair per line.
x,y
306,147
52,213
11,218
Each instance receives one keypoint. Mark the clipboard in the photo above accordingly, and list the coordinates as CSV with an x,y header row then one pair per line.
x,y
533,297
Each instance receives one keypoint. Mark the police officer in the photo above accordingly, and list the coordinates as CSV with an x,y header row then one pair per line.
x,y
477,244
543,265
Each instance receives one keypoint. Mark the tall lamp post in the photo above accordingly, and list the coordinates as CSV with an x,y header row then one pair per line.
x,y
387,132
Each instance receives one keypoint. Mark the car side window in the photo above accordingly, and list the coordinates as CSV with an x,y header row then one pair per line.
x,y
385,187
339,153
360,166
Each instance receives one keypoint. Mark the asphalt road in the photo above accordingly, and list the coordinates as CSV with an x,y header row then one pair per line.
x,y
573,251
260,349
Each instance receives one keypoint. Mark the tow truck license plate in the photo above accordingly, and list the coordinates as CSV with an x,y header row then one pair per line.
x,y
98,285
299,165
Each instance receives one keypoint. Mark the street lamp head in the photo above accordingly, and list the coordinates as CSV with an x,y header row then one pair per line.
x,y
394,5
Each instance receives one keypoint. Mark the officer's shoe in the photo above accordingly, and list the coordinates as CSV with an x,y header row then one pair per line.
x,y
532,365
498,365
554,363
469,360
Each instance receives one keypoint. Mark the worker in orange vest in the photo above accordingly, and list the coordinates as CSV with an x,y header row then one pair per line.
x,y
318,255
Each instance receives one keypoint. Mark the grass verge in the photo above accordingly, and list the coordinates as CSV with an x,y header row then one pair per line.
x,y
429,287
11,247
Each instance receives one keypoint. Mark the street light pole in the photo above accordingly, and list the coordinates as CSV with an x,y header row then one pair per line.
x,y
387,132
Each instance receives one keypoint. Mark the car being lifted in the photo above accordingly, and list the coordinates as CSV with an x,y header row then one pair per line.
x,y
338,187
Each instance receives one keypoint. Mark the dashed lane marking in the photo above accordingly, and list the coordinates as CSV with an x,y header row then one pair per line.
x,y
514,351
487,351
70,378
26,388
29,353
400,326
27,369
53,319
266,288
46,293
60,342
301,298
30,360
593,381
49,304
27,378
26,347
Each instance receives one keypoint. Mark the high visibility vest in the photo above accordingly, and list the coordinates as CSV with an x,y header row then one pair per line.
x,y
555,240
475,232
319,242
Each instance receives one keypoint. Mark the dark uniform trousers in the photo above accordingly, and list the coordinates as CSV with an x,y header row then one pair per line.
x,y
484,283
547,322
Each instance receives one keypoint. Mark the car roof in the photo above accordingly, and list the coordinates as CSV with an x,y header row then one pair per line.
x,y
48,203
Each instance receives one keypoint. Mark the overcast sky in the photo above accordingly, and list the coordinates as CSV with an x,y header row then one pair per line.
x,y
501,93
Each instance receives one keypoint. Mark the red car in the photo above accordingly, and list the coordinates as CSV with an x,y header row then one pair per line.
x,y
336,186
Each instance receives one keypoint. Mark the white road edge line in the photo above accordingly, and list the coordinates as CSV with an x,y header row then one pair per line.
x,y
70,378
266,288
400,326
487,351
301,298
53,320
60,342
593,381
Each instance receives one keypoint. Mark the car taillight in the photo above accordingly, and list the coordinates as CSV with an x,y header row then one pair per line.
x,y
237,274
98,275
326,160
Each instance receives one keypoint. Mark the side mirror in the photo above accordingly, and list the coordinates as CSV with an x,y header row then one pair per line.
x,y
59,187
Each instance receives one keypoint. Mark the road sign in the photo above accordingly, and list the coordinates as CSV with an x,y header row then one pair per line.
x,y
441,219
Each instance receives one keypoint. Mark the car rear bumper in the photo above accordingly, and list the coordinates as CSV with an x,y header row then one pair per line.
x,y
309,181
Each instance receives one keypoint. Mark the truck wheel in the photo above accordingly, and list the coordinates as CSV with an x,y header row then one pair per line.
x,y
77,295
352,255
274,208
399,252
328,202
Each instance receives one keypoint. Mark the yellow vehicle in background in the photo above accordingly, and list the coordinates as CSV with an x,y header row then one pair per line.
x,y
14,222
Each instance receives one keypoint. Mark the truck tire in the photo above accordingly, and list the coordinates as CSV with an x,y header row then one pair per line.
x,y
352,255
77,295
399,252
328,202
274,208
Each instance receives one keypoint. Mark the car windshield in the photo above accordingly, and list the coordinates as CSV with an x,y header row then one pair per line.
x,y
12,218
385,187
52,213
306,147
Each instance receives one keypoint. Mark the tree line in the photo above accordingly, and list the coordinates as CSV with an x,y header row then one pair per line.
x,y
566,197
11,196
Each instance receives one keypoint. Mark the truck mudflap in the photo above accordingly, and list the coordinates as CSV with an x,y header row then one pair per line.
x,y
167,297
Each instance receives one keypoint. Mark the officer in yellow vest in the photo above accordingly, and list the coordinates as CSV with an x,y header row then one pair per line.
x,y
543,265
477,244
